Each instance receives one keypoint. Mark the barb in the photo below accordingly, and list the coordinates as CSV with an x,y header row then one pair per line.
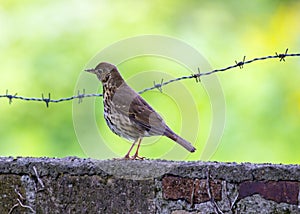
x,y
46,100
241,63
159,86
282,56
197,76
80,96
10,97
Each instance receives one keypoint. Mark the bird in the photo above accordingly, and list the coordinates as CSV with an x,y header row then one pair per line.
x,y
127,114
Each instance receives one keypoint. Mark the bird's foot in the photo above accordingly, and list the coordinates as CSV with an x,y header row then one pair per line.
x,y
127,157
136,157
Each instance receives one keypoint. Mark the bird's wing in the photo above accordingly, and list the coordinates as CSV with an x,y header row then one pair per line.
x,y
145,116
138,111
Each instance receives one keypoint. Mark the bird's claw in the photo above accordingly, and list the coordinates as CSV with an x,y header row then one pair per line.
x,y
127,157
136,157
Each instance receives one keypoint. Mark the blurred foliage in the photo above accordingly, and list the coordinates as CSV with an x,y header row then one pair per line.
x,y
45,45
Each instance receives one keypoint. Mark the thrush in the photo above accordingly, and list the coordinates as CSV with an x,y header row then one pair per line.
x,y
127,114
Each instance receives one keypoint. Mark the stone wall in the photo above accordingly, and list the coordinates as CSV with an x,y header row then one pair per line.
x,y
73,185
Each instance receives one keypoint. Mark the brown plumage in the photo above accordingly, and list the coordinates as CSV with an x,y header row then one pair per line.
x,y
127,114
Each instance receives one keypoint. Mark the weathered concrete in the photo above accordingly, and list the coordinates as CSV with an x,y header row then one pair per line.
x,y
73,185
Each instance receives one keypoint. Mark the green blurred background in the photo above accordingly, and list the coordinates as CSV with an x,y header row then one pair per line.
x,y
44,45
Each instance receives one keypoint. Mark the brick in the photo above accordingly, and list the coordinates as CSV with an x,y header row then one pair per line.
x,y
279,191
191,190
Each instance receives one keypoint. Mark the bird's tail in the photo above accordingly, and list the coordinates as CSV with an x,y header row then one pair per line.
x,y
187,145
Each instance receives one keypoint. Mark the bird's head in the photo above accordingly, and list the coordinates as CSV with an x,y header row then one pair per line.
x,y
104,71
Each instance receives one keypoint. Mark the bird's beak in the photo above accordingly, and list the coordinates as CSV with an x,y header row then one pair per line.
x,y
90,70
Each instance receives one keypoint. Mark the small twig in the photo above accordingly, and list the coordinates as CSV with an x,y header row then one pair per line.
x,y
212,200
38,177
231,203
193,192
20,203
19,194
25,206
234,201
13,207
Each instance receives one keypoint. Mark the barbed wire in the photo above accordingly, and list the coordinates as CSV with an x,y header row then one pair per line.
x,y
197,76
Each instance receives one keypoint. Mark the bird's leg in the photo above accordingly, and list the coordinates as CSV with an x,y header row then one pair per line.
x,y
136,156
128,153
